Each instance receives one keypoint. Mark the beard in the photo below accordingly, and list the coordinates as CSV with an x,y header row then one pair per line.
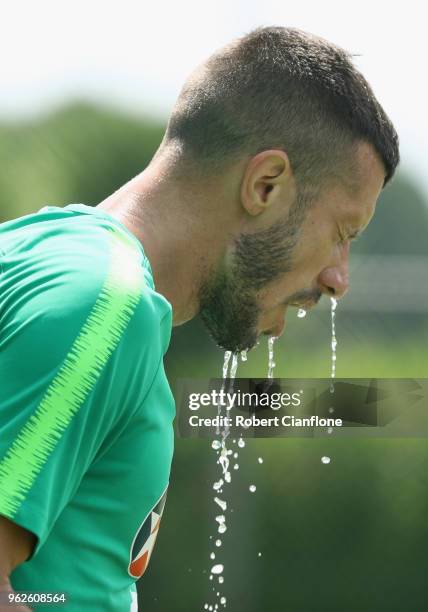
x,y
230,312
228,302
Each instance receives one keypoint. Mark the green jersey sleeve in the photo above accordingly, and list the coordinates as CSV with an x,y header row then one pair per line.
x,y
60,326
86,412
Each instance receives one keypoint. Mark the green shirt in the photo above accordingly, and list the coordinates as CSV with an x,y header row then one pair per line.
x,y
86,412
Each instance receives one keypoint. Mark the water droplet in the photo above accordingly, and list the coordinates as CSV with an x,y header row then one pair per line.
x,y
217,485
221,579
222,528
271,364
331,409
236,466
241,443
218,542
252,488
217,569
223,600
221,503
212,556
333,341
234,366
227,356
227,477
260,459
216,444
301,313
325,460
235,455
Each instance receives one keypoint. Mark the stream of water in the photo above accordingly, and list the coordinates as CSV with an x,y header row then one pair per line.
x,y
230,366
333,306
224,454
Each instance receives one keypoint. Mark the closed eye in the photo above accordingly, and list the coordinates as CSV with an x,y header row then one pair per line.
x,y
348,234
350,237
354,236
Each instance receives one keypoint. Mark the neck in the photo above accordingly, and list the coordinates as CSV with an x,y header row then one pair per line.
x,y
176,236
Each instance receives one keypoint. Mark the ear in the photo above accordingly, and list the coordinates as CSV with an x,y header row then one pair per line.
x,y
267,178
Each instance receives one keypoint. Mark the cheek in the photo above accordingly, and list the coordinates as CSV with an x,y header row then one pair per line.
x,y
314,251
316,248
303,276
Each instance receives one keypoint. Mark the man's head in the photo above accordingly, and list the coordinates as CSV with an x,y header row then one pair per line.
x,y
288,117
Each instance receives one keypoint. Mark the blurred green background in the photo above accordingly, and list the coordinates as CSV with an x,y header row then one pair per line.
x,y
349,535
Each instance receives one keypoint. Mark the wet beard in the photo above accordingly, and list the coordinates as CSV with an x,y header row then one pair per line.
x,y
230,313
228,304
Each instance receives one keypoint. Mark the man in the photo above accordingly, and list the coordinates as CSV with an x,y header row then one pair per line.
x,y
273,159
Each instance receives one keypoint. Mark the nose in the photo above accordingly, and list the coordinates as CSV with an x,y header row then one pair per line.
x,y
334,280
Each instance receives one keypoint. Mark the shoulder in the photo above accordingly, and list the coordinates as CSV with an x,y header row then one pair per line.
x,y
71,290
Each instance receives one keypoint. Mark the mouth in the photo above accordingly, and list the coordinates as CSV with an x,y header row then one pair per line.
x,y
304,305
306,300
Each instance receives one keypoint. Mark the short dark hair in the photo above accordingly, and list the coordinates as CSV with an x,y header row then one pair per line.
x,y
280,88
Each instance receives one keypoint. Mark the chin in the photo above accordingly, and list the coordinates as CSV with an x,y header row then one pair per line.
x,y
236,345
231,333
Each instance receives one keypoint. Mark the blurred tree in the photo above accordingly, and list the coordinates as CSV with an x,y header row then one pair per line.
x,y
79,153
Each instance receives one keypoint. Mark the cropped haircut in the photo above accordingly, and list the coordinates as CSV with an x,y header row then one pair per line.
x,y
280,88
